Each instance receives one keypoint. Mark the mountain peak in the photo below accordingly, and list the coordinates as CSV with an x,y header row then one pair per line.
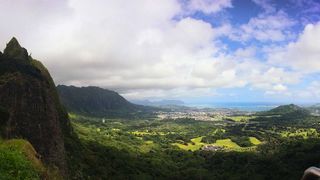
x,y
15,51
14,43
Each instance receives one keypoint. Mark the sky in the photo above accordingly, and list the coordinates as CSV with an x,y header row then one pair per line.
x,y
191,50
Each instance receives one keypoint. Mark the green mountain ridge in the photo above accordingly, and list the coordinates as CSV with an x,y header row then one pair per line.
x,y
97,101
285,110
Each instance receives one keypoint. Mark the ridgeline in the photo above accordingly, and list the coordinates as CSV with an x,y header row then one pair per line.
x,y
95,101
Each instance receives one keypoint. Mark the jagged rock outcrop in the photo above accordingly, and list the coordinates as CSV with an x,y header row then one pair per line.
x,y
29,98
14,50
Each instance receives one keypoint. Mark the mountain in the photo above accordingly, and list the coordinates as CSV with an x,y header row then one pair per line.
x,y
30,106
96,101
164,102
290,110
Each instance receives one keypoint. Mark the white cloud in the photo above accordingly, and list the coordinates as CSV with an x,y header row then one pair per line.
x,y
247,52
139,48
178,93
26,19
314,89
279,87
209,6
266,5
302,55
223,30
265,27
311,92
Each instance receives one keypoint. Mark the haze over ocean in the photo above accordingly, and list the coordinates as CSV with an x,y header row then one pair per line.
x,y
243,106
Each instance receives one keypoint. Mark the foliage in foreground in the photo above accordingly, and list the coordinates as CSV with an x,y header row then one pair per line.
x,y
18,161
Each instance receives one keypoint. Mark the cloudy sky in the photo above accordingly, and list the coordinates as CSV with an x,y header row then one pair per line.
x,y
194,50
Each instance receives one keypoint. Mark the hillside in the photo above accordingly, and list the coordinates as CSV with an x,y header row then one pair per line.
x,y
19,160
285,109
290,109
30,107
96,101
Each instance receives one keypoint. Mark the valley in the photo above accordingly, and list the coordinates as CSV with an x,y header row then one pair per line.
x,y
181,142
190,148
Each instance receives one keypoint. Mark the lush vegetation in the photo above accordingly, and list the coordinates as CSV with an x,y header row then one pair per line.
x,y
18,160
261,147
240,118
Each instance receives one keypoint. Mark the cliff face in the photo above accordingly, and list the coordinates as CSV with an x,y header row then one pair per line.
x,y
28,96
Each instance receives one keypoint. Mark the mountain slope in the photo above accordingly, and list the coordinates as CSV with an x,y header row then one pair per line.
x,y
95,101
289,111
20,156
30,105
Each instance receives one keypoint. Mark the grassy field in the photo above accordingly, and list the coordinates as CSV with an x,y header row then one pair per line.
x,y
147,146
241,118
227,143
218,131
195,144
254,140
18,160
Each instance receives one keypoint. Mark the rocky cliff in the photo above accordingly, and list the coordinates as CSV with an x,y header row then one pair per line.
x,y
30,105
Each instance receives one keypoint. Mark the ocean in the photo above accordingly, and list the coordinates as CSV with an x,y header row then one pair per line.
x,y
242,106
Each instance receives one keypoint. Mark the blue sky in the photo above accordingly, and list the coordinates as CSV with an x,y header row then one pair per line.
x,y
193,50
301,13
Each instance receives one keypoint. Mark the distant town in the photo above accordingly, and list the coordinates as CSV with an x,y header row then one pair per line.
x,y
206,114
